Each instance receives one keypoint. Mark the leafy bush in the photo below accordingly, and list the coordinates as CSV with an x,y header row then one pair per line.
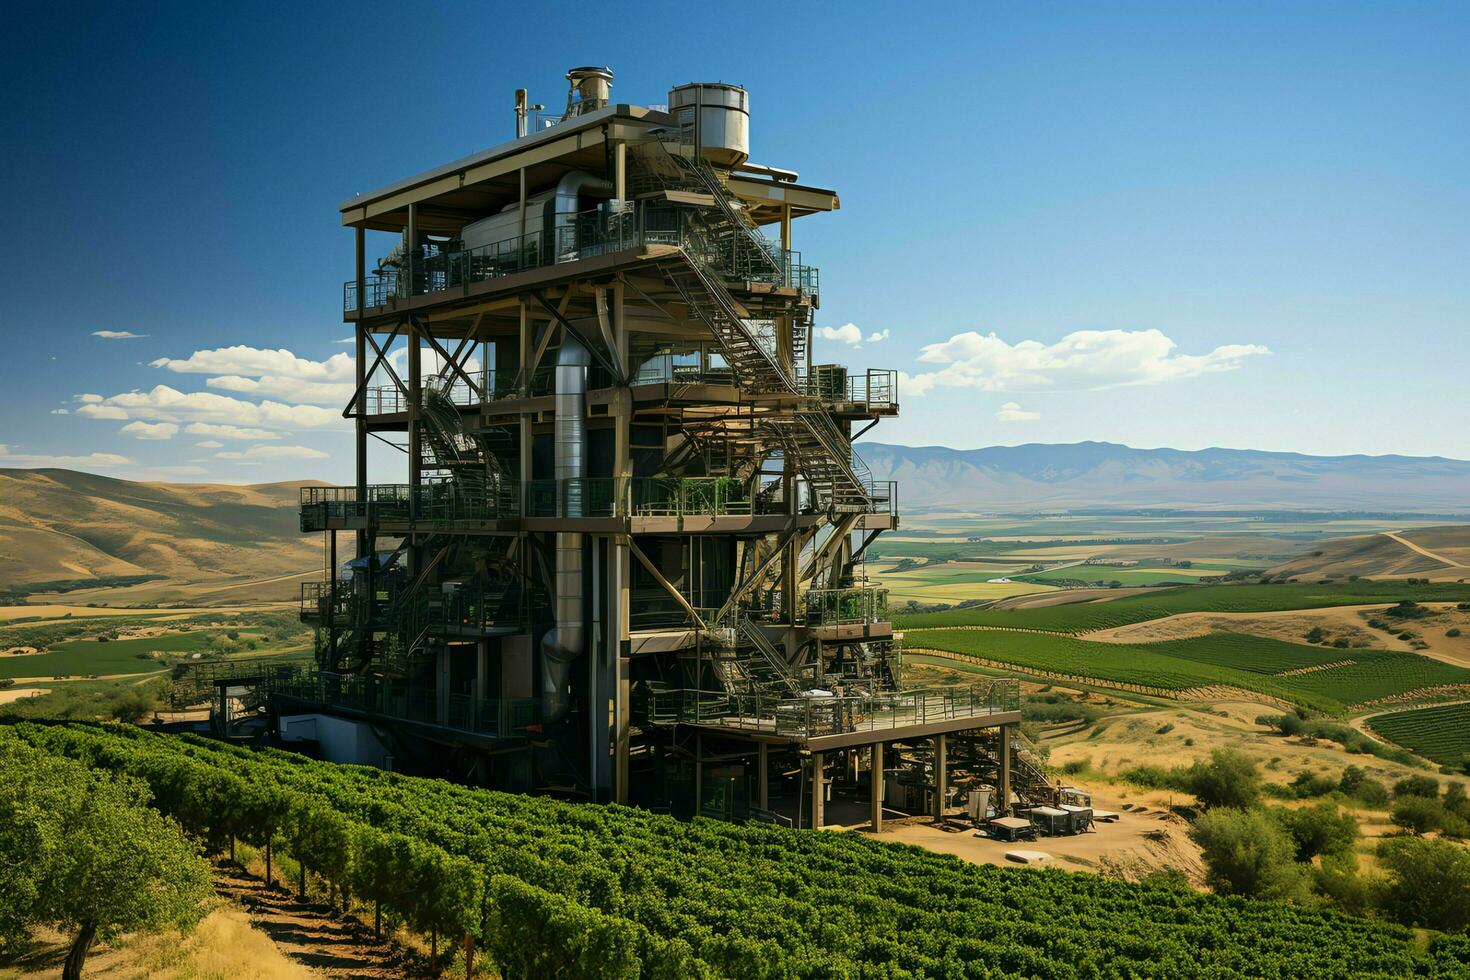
x,y
1247,852
1228,779
1417,786
1419,814
1428,882
1319,829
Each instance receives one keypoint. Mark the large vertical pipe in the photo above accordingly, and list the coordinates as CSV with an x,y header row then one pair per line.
x,y
567,640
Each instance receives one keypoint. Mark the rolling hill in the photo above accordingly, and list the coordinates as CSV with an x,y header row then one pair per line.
x,y
65,526
1437,553
1040,477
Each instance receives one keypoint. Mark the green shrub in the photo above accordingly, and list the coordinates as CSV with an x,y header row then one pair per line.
x,y
1419,814
1319,829
1428,882
1247,852
1417,786
1228,779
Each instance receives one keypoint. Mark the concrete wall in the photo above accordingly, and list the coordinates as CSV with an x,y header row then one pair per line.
x,y
341,739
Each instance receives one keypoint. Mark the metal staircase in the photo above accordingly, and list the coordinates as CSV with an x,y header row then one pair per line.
x,y
772,657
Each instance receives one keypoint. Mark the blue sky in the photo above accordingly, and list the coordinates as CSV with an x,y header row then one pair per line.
x,y
1221,225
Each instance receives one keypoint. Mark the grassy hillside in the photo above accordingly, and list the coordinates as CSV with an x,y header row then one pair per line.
x,y
61,527
1439,553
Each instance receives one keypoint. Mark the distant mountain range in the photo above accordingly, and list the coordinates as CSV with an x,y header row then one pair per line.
x,y
1076,476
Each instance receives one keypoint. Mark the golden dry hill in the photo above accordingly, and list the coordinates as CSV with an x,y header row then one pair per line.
x,y
62,526
1441,554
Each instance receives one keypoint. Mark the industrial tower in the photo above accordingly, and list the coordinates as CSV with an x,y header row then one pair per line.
x,y
622,559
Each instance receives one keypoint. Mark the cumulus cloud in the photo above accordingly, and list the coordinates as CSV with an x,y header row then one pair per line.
x,y
274,452
165,404
1085,360
270,373
229,431
89,399
210,444
118,335
878,335
61,411
92,411
1012,412
150,430
8,458
848,333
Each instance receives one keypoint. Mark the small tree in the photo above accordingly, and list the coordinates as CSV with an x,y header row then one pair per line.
x,y
1428,882
1419,814
85,852
1229,779
1319,829
1426,786
1248,853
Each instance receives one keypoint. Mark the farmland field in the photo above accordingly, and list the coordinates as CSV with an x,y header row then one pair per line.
x,y
1127,575
1124,611
1253,663
1441,734
79,657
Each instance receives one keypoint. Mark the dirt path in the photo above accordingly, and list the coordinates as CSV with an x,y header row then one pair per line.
x,y
1396,536
309,933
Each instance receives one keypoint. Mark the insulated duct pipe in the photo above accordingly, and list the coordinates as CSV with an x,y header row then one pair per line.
x,y
568,189
561,647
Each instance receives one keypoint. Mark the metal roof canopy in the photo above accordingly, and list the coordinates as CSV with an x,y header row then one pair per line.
x,y
452,195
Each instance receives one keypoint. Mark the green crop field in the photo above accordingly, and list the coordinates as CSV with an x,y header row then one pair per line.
x,y
1126,576
1441,734
1253,663
549,888
83,657
1083,617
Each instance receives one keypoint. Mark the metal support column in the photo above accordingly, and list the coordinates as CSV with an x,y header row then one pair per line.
x,y
360,407
763,775
875,815
1003,805
941,776
819,792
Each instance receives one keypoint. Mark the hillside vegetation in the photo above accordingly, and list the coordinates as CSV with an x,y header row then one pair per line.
x,y
61,528
557,889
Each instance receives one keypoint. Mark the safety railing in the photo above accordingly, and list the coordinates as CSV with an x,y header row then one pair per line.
x,y
843,607
653,607
325,601
711,496
373,696
585,234
818,713
463,612
322,505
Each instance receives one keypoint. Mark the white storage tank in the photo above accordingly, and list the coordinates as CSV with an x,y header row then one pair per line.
x,y
721,114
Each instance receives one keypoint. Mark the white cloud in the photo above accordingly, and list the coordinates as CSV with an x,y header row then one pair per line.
x,y
274,452
150,430
1085,360
92,411
258,362
878,335
210,444
8,458
229,431
89,399
346,340
165,404
1012,412
61,411
848,333
270,373
118,335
